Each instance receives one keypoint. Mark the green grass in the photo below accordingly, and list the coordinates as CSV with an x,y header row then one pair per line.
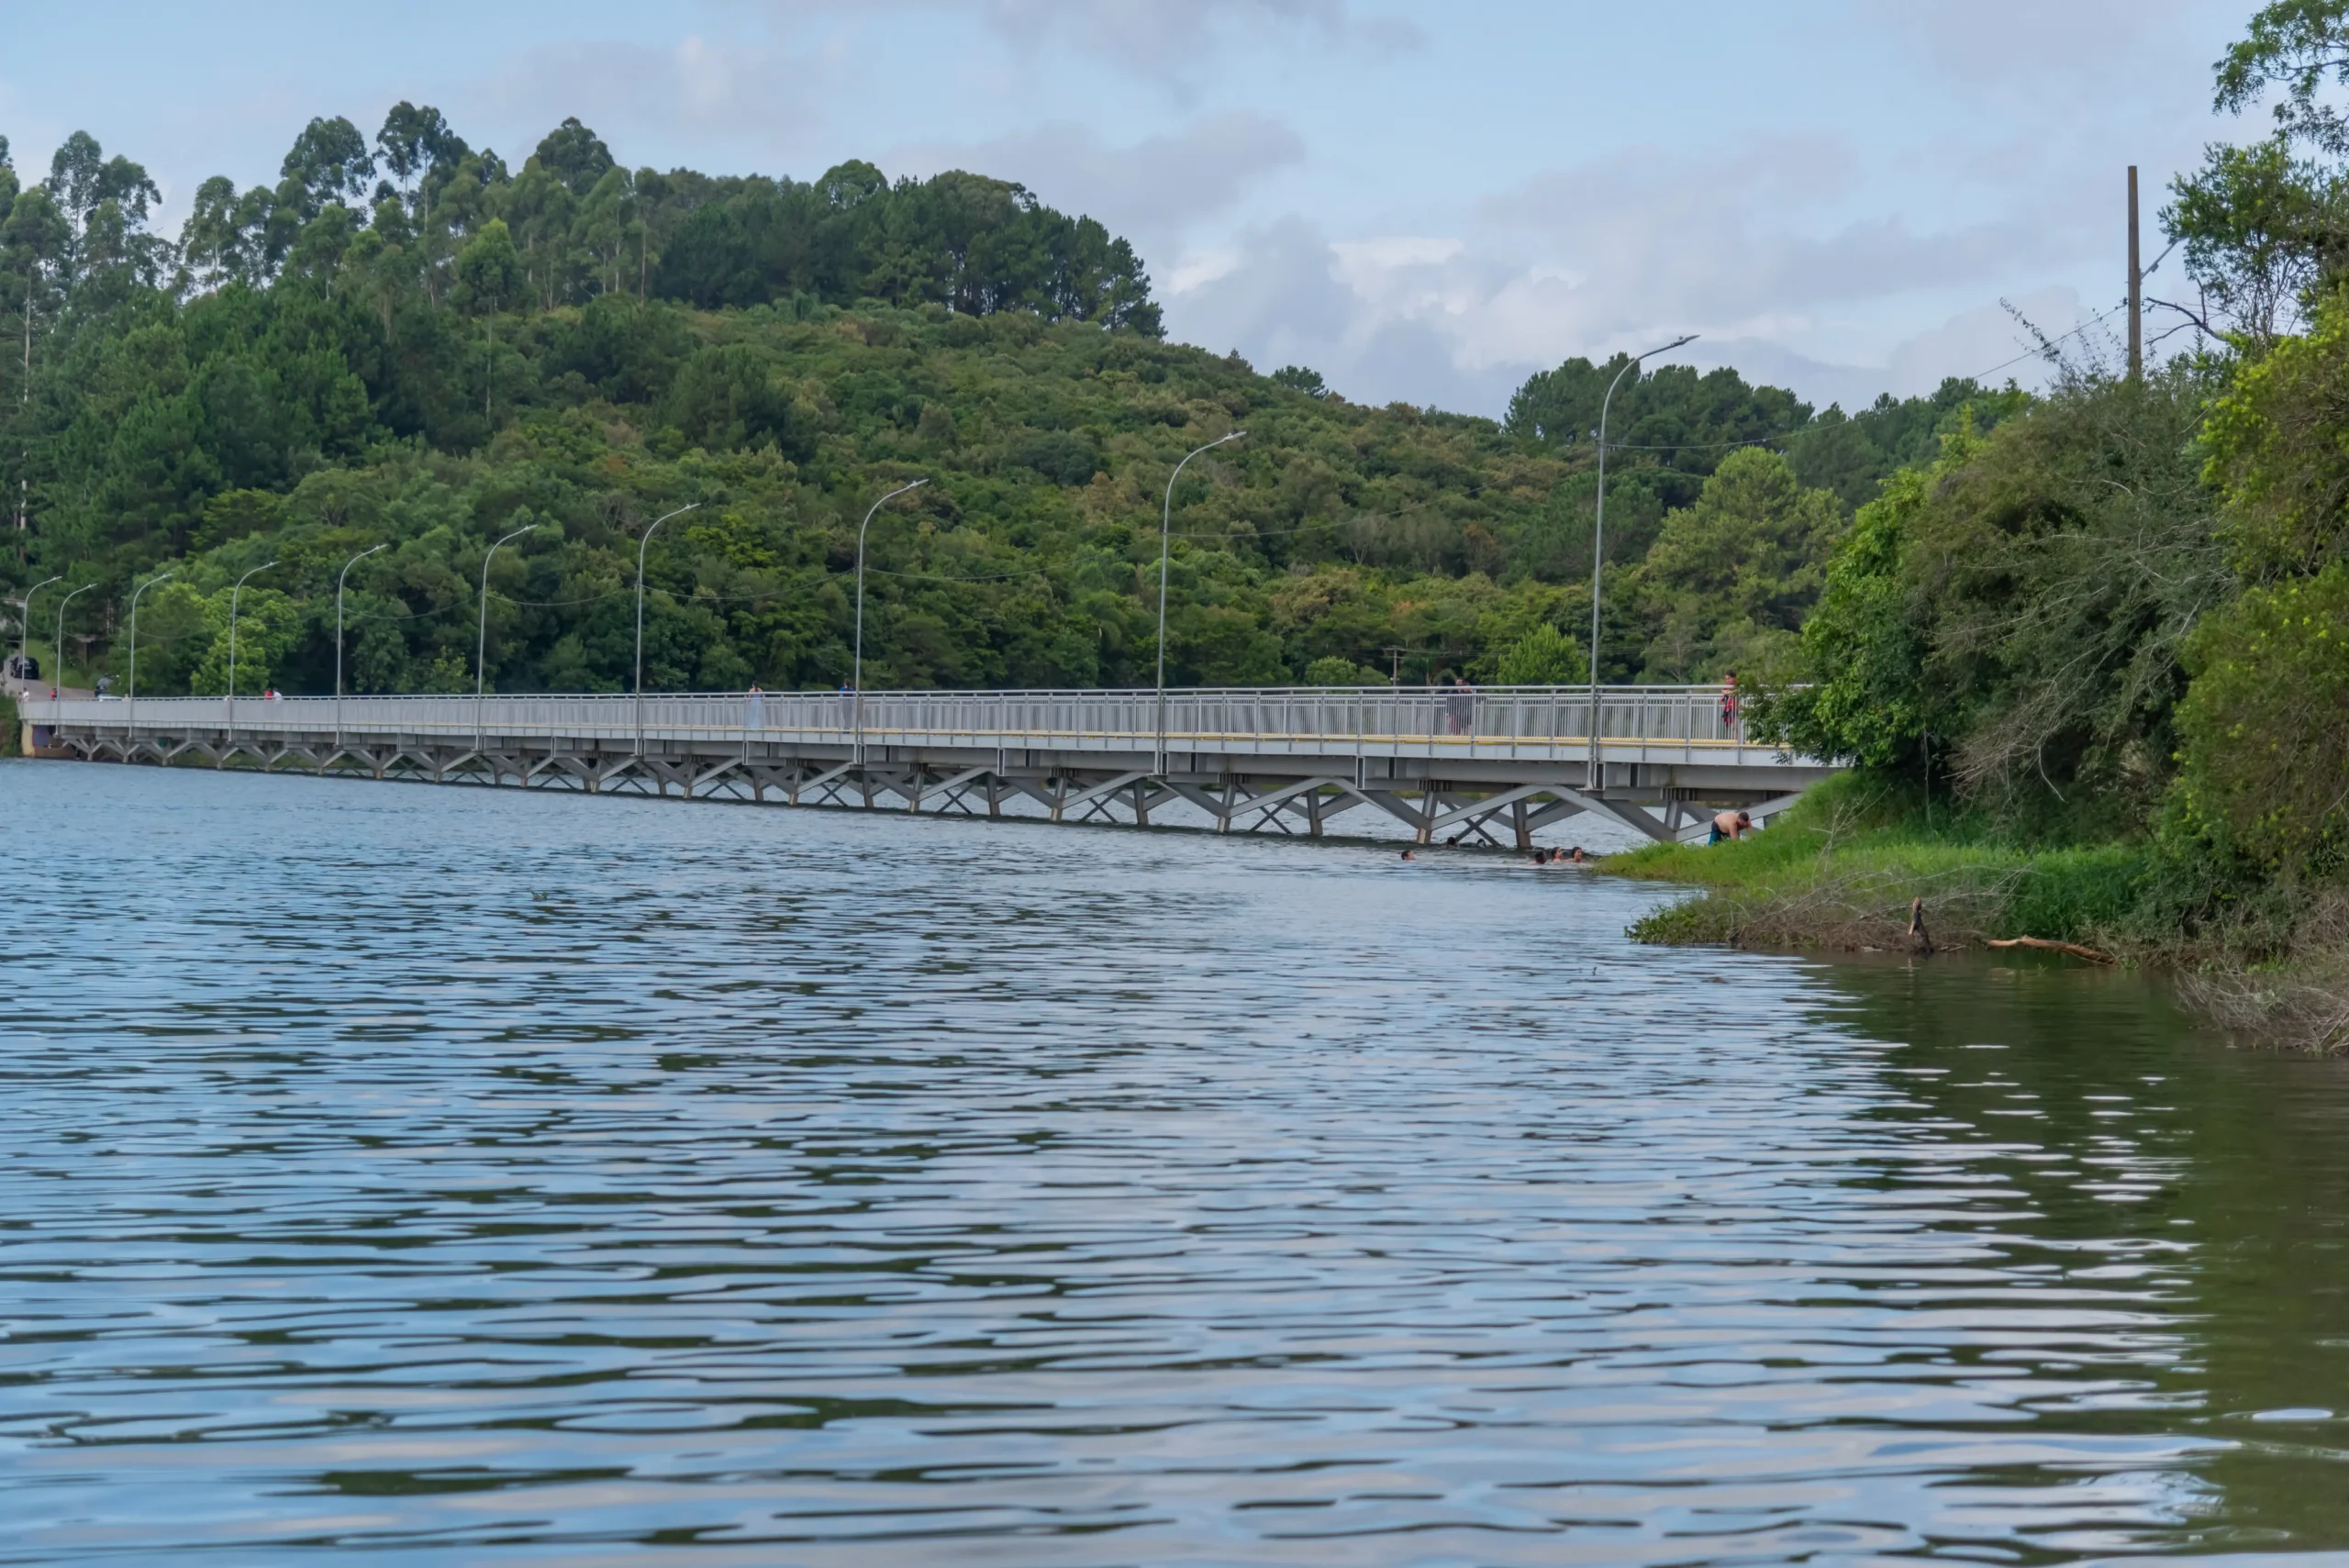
x,y
1841,868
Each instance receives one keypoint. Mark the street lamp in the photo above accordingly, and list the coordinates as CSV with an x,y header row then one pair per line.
x,y
1166,535
240,588
856,681
640,545
25,641
1597,549
130,700
338,581
59,683
481,646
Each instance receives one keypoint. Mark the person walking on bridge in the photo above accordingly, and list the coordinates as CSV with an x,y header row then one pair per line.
x,y
1460,708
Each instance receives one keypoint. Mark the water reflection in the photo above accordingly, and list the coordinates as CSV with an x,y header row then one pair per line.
x,y
473,1175
2213,1182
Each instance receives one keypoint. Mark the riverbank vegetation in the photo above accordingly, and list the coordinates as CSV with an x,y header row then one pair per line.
x,y
2091,667
1846,867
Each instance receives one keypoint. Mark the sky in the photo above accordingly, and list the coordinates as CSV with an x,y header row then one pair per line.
x,y
1424,202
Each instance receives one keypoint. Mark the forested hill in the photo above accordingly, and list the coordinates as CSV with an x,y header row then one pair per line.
x,y
408,343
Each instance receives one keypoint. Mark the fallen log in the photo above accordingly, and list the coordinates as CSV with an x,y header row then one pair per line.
x,y
2075,949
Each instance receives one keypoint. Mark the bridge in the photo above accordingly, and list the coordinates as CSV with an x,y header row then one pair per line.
x,y
1490,766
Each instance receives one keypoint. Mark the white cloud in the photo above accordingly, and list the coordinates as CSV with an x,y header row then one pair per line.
x,y
1752,249
1150,190
1199,269
1724,242
2022,47
723,89
1290,296
1165,41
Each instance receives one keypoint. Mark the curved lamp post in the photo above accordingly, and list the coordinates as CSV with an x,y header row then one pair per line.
x,y
130,699
1590,781
1165,537
25,642
856,681
233,593
68,599
480,643
640,545
342,577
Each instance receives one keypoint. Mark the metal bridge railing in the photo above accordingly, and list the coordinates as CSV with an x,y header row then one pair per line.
x,y
1690,717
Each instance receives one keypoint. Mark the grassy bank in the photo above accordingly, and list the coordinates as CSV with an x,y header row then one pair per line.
x,y
1840,870
11,731
2268,961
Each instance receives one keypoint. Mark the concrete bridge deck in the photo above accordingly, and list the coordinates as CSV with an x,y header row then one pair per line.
x,y
1495,764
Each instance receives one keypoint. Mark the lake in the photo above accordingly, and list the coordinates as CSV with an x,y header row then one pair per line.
x,y
481,1176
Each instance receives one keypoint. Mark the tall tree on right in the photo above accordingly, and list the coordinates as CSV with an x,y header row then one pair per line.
x,y
2264,227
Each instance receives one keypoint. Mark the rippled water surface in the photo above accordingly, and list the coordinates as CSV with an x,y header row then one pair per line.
x,y
472,1176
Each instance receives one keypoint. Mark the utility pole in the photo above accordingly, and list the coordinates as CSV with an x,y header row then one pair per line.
x,y
2136,288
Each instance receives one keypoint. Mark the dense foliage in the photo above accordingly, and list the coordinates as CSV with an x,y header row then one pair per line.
x,y
2267,718
2129,577
2018,610
2124,614
408,343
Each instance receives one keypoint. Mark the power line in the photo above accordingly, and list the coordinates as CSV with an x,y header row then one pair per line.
x,y
2048,344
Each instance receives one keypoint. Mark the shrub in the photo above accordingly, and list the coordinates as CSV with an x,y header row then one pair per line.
x,y
1335,671
2265,723
1542,657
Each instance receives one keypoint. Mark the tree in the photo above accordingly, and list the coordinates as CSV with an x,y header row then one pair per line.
x,y
490,269
2298,45
2265,228
727,397
2018,612
575,155
1731,576
413,141
1667,428
492,278
328,161
212,241
1542,657
1332,671
80,177
2262,230
312,385
2266,725
103,203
